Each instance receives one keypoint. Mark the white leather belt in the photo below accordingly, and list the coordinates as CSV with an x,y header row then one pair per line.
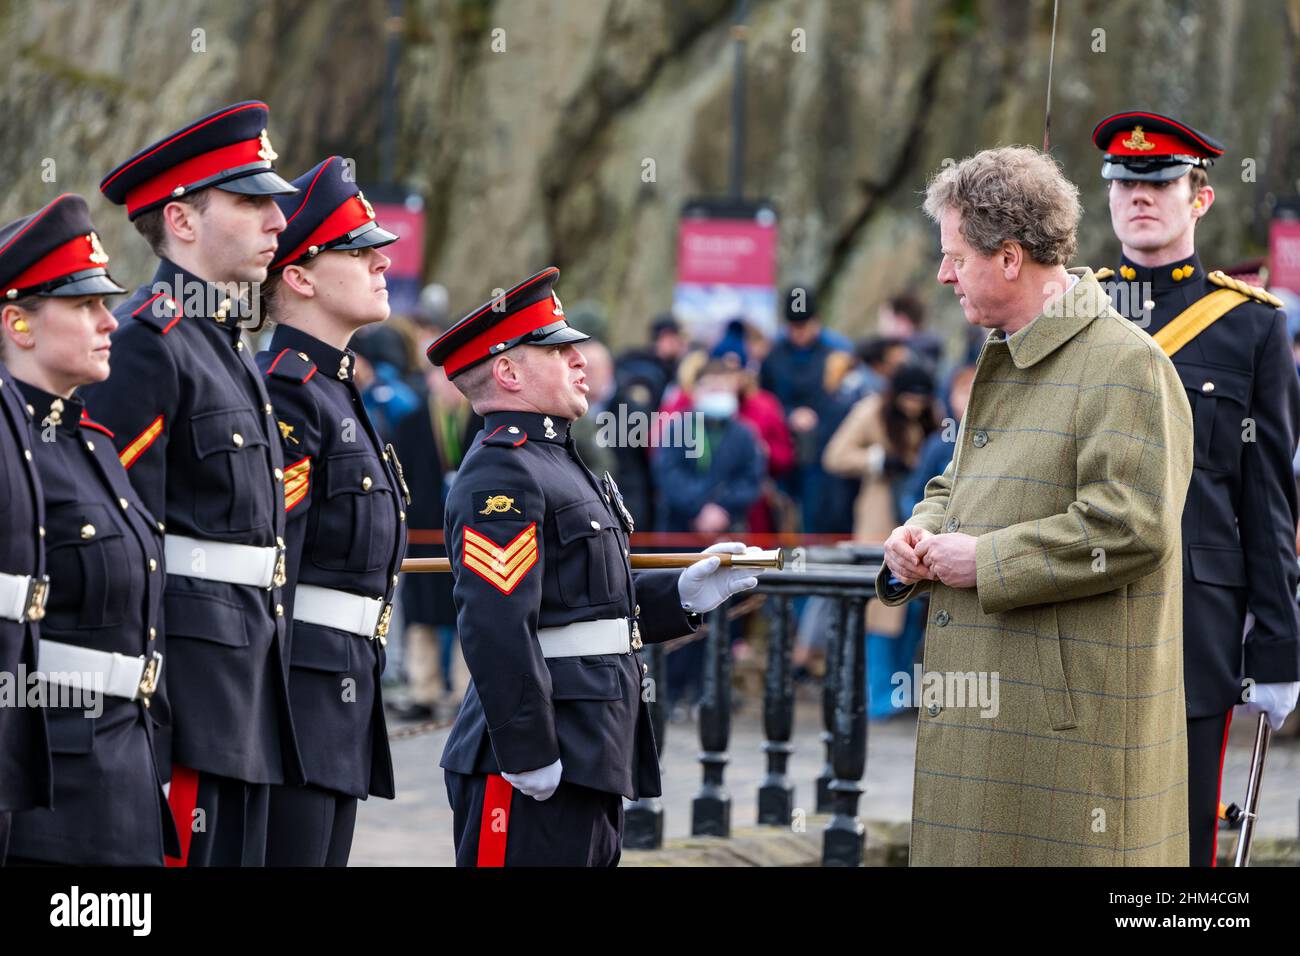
x,y
347,612
223,561
22,597
131,678
588,638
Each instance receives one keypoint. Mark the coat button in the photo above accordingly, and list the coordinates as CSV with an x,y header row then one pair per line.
x,y
401,516
42,531
303,356
952,525
279,475
933,710
124,503
980,439
636,611
153,633
90,446
279,541
513,430
279,610
238,439
27,453
1207,387
87,531
161,526
595,525
645,668
239,346
153,564
268,408
366,483
942,619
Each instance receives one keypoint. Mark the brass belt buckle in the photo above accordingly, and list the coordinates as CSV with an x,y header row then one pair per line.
x,y
149,679
37,592
381,629
636,636
278,577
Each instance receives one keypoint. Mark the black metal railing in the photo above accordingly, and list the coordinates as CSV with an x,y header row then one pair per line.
x,y
846,575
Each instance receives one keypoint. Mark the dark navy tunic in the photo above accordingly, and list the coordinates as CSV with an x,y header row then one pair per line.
x,y
1239,522
346,510
104,553
24,753
195,429
523,482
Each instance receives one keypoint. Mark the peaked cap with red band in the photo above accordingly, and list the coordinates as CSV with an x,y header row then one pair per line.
x,y
327,212
1151,147
54,252
228,149
529,314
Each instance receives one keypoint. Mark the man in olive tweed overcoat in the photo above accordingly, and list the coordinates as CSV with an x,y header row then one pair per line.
x,y
1050,548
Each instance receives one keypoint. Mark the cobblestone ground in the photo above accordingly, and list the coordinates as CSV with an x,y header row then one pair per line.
x,y
415,829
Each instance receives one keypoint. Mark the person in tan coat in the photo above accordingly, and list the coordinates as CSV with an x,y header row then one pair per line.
x,y
1050,548
879,442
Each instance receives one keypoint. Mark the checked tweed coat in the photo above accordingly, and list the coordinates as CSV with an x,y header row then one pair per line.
x,y
1071,468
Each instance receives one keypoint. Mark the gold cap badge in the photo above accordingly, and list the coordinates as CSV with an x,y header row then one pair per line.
x,y
265,150
97,253
1138,140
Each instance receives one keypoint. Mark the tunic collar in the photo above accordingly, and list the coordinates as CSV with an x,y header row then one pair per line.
x,y
332,362
48,409
195,296
1168,276
533,425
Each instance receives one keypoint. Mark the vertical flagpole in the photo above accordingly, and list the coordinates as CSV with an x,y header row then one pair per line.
x,y
1051,57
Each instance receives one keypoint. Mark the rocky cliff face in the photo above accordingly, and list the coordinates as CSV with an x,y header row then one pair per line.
x,y
527,124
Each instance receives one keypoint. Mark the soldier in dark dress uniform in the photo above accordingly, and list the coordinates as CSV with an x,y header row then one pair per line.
x,y
346,502
196,432
100,648
1228,341
554,730
24,749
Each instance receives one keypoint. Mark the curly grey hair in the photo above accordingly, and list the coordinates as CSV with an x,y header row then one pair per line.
x,y
1014,193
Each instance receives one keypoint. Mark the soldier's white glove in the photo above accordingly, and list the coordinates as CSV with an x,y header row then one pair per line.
x,y
538,784
705,585
1273,700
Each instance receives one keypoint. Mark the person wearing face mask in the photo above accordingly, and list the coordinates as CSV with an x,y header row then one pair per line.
x,y
879,443
710,472
1228,341
345,500
101,646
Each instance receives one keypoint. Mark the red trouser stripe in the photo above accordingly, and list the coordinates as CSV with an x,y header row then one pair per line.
x,y
1214,844
183,797
494,822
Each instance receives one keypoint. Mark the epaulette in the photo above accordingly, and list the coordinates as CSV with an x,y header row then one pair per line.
x,y
87,423
159,311
1245,288
292,366
505,436
1104,273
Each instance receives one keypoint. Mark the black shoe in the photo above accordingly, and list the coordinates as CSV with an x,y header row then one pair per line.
x,y
413,711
